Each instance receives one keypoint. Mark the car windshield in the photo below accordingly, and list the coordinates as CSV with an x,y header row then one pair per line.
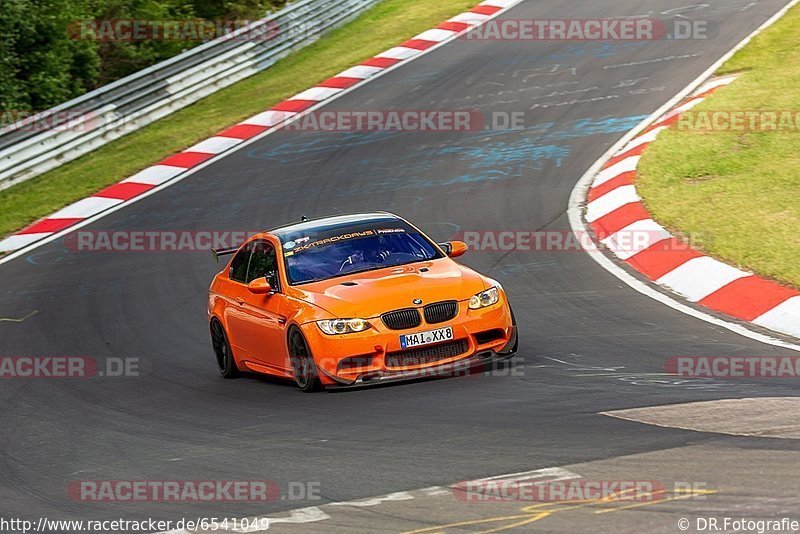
x,y
351,250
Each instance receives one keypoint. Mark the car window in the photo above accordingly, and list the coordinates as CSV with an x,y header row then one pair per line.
x,y
263,263
355,251
239,264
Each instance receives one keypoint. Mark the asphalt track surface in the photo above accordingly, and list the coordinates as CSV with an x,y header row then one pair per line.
x,y
589,343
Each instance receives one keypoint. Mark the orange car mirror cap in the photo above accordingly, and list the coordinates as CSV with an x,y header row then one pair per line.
x,y
456,249
259,286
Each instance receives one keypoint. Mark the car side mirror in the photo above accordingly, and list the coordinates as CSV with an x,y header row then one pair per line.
x,y
259,286
454,249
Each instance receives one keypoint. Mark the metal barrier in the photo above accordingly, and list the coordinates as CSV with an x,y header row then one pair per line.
x,y
41,143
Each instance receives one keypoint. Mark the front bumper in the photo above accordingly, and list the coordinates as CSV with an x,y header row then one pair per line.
x,y
372,349
456,368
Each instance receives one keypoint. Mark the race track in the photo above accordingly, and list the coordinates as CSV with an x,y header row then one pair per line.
x,y
588,343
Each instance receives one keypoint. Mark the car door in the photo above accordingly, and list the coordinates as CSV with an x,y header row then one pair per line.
x,y
263,325
234,292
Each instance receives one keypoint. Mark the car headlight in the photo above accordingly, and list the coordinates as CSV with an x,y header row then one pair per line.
x,y
342,326
484,298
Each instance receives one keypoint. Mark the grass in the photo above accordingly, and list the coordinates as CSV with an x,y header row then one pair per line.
x,y
737,193
383,26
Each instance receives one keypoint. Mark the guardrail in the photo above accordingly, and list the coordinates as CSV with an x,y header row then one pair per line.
x,y
70,130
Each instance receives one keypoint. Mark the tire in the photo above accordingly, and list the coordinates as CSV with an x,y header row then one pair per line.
x,y
508,355
304,370
514,324
226,364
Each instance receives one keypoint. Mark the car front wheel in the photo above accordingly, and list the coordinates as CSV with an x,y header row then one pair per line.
x,y
304,369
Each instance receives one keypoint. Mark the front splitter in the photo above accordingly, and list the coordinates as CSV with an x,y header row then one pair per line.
x,y
456,368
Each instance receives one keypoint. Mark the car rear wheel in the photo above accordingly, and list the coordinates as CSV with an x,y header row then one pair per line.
x,y
304,369
222,349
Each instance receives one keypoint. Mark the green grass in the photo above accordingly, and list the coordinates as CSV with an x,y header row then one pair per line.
x,y
385,25
737,193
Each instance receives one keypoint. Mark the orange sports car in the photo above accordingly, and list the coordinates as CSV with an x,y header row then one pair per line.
x,y
354,300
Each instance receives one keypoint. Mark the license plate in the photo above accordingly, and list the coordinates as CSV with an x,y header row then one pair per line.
x,y
426,338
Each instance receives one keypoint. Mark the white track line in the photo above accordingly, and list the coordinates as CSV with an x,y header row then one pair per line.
x,y
314,514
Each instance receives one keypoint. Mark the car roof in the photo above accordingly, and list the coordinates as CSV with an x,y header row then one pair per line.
x,y
331,223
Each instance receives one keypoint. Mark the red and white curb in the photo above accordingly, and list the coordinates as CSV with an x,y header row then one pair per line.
x,y
272,119
622,224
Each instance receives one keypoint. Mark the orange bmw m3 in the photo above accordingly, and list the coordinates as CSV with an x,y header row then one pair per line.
x,y
354,300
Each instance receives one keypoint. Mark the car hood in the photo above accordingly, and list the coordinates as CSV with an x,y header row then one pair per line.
x,y
372,293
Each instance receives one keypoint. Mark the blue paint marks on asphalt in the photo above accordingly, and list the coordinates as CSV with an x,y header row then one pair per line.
x,y
589,126
464,166
570,52
323,143
502,154
595,50
469,159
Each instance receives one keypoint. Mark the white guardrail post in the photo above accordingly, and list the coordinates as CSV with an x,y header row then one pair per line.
x,y
77,127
